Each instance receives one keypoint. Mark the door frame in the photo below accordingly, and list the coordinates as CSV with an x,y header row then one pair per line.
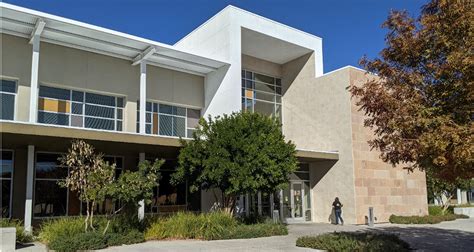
x,y
292,219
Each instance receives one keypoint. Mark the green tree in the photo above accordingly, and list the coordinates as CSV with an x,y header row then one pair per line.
x,y
421,104
238,153
443,191
88,176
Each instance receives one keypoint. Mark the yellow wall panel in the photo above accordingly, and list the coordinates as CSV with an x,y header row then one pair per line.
x,y
54,105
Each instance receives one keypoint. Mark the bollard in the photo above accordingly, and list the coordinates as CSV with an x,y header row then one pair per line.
x,y
371,217
276,216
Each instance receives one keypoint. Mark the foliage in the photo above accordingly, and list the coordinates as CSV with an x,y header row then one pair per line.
x,y
421,104
345,241
253,219
253,231
185,225
88,176
435,210
427,219
238,153
444,190
21,235
209,226
67,234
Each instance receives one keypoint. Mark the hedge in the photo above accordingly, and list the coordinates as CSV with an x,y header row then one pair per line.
x,y
427,219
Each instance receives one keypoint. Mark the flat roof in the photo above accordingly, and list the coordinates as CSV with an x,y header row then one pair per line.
x,y
21,22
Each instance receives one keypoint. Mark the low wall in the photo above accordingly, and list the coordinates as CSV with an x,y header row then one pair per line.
x,y
469,211
8,239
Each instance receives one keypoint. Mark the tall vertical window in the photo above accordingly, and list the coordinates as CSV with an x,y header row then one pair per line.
x,y
50,198
80,109
7,99
6,176
168,120
261,93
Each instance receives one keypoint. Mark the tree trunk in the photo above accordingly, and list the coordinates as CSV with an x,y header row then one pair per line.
x,y
86,221
92,215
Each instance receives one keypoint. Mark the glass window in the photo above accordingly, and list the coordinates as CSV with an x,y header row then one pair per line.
x,y
6,181
90,110
50,199
263,95
166,125
7,99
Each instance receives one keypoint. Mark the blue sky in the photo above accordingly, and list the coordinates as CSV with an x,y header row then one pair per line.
x,y
350,29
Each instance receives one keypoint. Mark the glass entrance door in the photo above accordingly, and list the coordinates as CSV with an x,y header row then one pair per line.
x,y
293,204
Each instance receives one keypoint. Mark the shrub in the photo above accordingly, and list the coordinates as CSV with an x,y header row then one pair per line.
x,y
81,241
252,219
21,235
190,226
52,229
117,239
435,210
427,219
209,226
254,231
353,242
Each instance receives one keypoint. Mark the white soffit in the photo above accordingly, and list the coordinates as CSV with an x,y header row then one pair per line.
x,y
20,21
269,48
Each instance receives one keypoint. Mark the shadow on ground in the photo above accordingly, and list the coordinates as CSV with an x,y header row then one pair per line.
x,y
433,239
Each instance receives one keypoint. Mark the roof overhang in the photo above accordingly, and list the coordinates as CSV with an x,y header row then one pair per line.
x,y
314,156
24,22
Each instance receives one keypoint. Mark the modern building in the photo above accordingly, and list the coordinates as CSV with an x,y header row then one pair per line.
x,y
132,98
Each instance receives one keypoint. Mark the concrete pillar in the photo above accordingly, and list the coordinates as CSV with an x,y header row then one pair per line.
x,y
142,96
34,79
458,196
141,208
30,169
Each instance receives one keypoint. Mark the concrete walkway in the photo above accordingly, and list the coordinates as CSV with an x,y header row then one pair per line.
x,y
455,235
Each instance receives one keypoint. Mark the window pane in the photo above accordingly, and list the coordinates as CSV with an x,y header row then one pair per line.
x,y
100,99
6,192
8,86
264,78
265,87
77,108
278,82
119,114
148,107
278,90
264,96
248,75
119,125
120,102
166,109
264,108
180,111
190,133
155,107
243,73
148,128
7,101
249,84
193,118
278,99
56,93
48,166
53,118
148,117
179,126
76,121
6,164
97,123
248,105
50,199
78,96
166,125
106,112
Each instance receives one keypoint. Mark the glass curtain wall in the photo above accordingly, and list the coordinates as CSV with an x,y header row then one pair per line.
x,y
6,180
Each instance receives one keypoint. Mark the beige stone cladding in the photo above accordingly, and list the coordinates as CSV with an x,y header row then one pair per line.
x,y
389,190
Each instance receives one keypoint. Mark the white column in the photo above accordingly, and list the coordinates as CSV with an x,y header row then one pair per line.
x,y
141,208
458,196
30,168
34,79
142,96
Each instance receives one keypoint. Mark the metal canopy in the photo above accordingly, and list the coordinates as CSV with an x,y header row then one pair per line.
x,y
24,22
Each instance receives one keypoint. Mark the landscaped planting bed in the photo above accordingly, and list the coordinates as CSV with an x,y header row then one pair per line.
x,y
346,241
427,219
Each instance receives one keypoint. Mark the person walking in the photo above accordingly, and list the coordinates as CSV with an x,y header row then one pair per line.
x,y
337,205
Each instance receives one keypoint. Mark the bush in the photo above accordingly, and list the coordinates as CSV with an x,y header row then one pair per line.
x,y
190,226
209,226
67,234
353,242
21,236
253,231
435,210
82,241
252,219
427,219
